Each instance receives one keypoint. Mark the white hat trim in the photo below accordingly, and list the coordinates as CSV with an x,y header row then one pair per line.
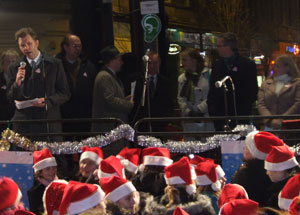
x,y
220,172
250,143
157,160
193,172
44,195
129,166
120,192
90,155
284,203
87,203
203,180
174,180
288,164
120,157
44,164
19,197
107,175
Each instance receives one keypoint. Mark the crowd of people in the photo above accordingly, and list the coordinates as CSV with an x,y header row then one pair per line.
x,y
148,181
68,86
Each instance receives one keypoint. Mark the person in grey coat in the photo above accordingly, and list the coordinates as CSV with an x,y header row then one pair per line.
x,y
37,88
108,96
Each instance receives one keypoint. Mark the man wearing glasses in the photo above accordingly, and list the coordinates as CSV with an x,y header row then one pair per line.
x,y
243,77
80,74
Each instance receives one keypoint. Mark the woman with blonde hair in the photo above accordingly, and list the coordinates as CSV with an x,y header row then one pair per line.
x,y
280,93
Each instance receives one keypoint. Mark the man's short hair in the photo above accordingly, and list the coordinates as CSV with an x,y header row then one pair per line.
x,y
21,33
230,39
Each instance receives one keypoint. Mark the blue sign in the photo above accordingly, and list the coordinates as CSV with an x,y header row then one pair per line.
x,y
232,153
18,166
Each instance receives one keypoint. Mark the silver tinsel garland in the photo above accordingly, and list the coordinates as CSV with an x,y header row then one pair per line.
x,y
122,131
191,147
127,132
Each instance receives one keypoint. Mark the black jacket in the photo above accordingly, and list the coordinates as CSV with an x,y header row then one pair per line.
x,y
252,176
244,76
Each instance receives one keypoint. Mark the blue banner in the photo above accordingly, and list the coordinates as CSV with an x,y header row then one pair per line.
x,y
18,166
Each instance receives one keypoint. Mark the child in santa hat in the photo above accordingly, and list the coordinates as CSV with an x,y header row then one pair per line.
x,y
89,162
180,191
45,171
210,181
251,174
150,177
10,197
130,160
280,165
240,207
80,198
121,196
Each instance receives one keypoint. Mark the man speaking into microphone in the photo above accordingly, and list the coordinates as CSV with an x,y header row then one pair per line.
x,y
238,75
37,85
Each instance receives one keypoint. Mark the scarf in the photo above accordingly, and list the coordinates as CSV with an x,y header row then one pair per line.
x,y
188,89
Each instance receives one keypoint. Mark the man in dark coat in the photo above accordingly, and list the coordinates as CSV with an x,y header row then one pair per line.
x,y
158,98
38,89
244,77
80,73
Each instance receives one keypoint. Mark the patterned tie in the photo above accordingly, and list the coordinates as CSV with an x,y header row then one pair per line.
x,y
33,65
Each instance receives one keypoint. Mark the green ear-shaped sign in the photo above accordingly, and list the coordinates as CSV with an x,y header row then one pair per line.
x,y
152,26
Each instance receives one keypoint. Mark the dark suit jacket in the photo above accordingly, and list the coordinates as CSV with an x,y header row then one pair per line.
x,y
244,76
34,86
161,104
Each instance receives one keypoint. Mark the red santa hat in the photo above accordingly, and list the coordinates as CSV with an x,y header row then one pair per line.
x,y
10,194
239,206
209,173
111,166
79,197
130,158
289,191
179,211
156,156
280,158
53,195
23,212
93,153
180,172
260,143
295,206
43,159
231,192
116,188
198,159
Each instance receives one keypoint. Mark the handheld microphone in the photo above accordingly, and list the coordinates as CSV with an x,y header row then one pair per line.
x,y
23,65
146,56
220,83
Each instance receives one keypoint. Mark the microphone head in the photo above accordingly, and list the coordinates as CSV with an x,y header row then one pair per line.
x,y
145,58
23,64
218,84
